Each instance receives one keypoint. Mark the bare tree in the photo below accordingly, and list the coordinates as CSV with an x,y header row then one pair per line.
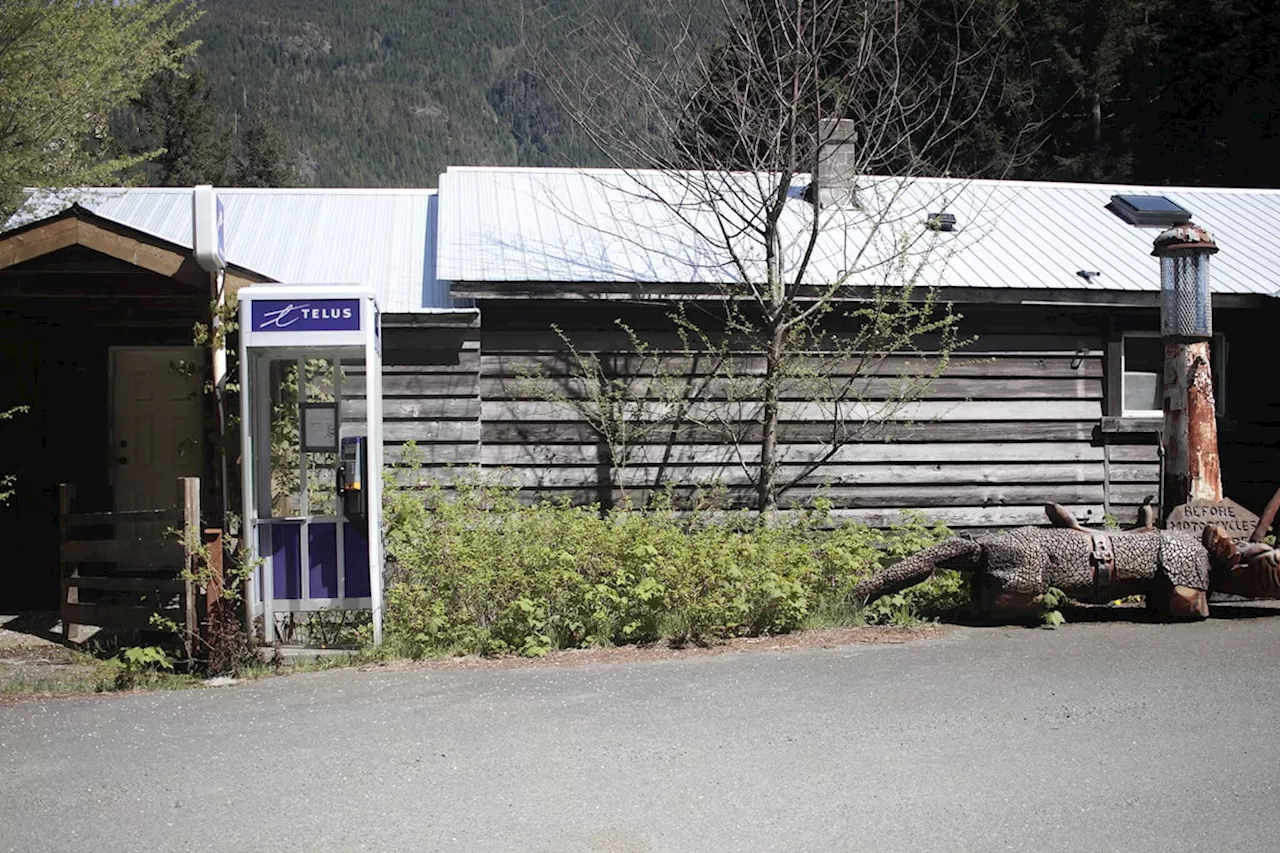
x,y
629,399
784,160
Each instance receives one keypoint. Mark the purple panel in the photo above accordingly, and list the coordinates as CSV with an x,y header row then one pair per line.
x,y
286,559
322,560
355,552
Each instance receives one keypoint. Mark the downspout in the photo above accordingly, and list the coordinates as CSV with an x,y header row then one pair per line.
x,y
208,244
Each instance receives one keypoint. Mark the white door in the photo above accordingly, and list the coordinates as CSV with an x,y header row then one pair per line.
x,y
157,428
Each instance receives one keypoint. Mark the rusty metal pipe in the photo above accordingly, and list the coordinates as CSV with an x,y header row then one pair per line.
x,y
1268,516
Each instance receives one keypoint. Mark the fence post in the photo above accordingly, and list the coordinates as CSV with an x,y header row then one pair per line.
x,y
213,589
189,500
70,594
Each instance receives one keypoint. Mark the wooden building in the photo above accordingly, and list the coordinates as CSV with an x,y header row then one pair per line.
x,y
99,296
1052,401
1056,399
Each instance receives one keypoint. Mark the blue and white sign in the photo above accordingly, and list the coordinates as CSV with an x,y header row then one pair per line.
x,y
209,229
305,315
221,250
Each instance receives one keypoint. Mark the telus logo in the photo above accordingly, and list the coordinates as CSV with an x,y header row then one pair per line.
x,y
283,318
317,315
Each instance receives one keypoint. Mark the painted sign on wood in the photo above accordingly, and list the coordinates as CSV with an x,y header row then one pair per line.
x,y
1193,516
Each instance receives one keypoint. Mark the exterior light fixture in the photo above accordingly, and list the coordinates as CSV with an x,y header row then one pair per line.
x,y
1186,310
941,221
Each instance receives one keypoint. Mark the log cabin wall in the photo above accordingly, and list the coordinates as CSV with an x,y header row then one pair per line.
x,y
1029,412
1015,421
430,396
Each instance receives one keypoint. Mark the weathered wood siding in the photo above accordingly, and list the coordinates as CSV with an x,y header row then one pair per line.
x,y
1014,422
430,396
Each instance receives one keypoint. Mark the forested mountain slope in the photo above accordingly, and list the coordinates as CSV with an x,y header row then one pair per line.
x,y
387,92
390,92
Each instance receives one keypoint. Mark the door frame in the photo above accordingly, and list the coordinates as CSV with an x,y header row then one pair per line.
x,y
112,352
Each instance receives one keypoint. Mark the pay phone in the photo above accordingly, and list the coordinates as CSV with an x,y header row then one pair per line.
x,y
311,428
354,473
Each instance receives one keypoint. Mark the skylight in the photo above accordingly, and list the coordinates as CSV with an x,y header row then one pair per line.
x,y
1148,210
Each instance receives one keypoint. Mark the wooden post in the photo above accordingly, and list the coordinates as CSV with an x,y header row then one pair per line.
x,y
213,589
189,500
70,594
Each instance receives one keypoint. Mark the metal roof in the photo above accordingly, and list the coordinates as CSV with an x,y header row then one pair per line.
x,y
610,226
379,238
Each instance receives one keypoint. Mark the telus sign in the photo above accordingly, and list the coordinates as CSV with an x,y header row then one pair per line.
x,y
311,315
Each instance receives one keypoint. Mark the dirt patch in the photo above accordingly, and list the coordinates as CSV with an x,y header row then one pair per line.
x,y
822,639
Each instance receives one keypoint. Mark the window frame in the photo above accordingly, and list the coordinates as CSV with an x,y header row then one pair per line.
x,y
1218,356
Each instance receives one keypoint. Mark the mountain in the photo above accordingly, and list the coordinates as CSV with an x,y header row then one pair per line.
x,y
390,92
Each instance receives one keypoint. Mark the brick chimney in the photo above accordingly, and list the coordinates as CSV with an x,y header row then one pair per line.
x,y
834,173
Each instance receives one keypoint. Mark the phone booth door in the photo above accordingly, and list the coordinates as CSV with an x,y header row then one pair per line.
x,y
312,514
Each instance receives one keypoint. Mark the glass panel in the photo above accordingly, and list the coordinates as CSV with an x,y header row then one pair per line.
x,y
353,397
1143,373
1142,392
1143,354
322,496
286,481
1152,204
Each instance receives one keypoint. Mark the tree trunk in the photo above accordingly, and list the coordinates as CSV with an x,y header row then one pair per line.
x,y
768,486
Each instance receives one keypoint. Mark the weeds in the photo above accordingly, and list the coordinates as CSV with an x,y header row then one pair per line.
x,y
475,570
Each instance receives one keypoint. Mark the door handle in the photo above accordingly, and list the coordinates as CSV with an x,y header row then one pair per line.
x,y
123,460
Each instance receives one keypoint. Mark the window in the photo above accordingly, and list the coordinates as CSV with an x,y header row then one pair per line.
x,y
1142,372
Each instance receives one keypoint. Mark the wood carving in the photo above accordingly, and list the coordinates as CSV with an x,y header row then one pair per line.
x,y
1174,571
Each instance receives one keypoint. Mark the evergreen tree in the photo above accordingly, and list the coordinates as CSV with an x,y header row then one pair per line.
x,y
264,159
1209,97
1088,66
178,114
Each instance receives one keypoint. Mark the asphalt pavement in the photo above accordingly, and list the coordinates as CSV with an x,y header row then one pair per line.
x,y
1095,737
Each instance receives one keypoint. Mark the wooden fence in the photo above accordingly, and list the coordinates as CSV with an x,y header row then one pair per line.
x,y
119,569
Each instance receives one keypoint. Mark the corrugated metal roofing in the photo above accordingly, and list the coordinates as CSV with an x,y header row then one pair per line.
x,y
383,239
610,226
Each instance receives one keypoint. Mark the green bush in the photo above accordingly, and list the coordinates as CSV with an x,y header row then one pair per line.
x,y
474,569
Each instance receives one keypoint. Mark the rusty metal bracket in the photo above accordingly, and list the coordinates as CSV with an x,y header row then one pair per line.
x,y
1102,557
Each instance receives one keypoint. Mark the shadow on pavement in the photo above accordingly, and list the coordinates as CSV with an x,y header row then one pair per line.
x,y
40,625
1130,613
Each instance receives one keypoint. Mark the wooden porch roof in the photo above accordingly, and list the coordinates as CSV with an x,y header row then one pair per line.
x,y
77,226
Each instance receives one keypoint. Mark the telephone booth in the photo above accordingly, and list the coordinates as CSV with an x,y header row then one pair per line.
x,y
311,427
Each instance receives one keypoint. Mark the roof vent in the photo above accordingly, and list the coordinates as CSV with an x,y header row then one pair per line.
x,y
1148,210
941,221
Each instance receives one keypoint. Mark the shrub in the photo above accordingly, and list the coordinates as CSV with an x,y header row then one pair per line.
x,y
475,569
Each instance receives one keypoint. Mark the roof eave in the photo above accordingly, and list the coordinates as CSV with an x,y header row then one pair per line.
x,y
1062,297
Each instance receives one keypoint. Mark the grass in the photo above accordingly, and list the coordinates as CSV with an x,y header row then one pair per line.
x,y
51,670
